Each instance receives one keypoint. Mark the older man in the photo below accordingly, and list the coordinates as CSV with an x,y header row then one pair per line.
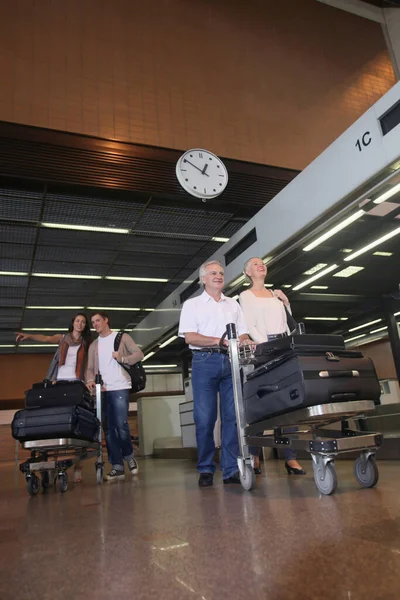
x,y
203,321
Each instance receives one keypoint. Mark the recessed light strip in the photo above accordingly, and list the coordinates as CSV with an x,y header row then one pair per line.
x,y
364,325
356,337
379,329
85,228
314,277
334,230
381,240
136,279
160,366
66,276
148,356
388,194
55,307
169,341
220,239
14,273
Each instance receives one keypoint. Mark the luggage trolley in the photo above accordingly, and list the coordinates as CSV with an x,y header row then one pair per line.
x,y
52,457
323,444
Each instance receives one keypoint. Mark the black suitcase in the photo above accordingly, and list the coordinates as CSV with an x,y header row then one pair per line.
x,y
302,375
308,342
62,393
61,421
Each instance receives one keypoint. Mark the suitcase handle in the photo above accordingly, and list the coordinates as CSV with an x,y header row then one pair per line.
x,y
344,396
332,374
263,390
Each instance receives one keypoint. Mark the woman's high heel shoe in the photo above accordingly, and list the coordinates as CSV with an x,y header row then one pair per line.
x,y
293,471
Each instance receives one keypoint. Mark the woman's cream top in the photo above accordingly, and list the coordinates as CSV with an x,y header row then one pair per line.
x,y
263,316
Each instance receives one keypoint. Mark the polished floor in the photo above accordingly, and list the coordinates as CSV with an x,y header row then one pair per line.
x,y
160,536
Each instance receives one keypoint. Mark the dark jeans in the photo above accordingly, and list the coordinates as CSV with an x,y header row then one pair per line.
x,y
211,373
116,428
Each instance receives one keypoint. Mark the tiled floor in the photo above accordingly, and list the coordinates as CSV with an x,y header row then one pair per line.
x,y
160,536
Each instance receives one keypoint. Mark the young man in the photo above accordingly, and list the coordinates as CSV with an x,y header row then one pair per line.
x,y
117,383
203,321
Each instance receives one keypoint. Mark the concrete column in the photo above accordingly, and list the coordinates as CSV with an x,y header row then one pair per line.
x,y
391,28
393,331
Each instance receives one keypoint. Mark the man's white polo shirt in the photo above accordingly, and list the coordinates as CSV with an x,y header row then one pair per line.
x,y
204,315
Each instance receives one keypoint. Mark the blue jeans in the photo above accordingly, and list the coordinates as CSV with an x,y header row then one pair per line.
x,y
116,428
211,373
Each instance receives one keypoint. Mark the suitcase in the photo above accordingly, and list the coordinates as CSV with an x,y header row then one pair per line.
x,y
61,421
62,393
308,342
301,375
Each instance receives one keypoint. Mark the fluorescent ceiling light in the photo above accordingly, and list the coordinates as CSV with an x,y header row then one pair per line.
x,y
268,285
334,230
346,250
388,194
219,239
7,345
365,325
396,314
55,307
322,318
237,281
66,276
319,287
46,329
383,253
381,240
16,273
317,267
267,259
348,272
112,308
137,279
148,356
235,297
159,366
85,228
38,345
169,341
314,277
356,337
379,329
287,285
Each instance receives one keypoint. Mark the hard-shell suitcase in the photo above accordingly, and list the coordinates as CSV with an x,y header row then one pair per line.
x,y
300,376
57,422
63,393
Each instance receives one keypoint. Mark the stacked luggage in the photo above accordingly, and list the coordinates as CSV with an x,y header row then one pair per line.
x,y
60,410
306,370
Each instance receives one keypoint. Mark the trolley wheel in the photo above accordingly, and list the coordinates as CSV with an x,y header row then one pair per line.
x,y
63,482
99,474
33,484
366,472
248,479
325,477
46,483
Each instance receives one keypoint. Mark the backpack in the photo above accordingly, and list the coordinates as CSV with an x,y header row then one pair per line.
x,y
136,372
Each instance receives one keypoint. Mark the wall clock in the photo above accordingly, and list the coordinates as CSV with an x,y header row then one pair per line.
x,y
201,173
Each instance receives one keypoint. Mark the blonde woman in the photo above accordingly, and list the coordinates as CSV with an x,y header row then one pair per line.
x,y
266,319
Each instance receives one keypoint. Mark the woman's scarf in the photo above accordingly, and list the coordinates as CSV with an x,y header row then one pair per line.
x,y
81,356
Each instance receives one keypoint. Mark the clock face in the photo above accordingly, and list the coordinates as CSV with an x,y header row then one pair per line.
x,y
201,173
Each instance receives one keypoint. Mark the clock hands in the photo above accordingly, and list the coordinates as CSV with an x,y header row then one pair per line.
x,y
203,172
205,169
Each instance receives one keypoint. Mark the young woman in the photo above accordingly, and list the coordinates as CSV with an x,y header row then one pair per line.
x,y
265,316
70,359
